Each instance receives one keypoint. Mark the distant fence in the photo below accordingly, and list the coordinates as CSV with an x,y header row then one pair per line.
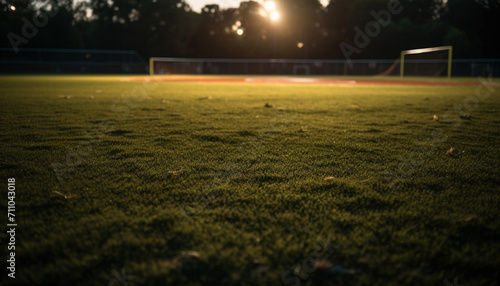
x,y
413,67
71,61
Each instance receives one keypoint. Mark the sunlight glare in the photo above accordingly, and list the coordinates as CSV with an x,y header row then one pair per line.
x,y
275,16
270,5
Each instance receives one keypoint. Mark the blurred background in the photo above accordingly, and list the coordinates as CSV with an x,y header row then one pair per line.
x,y
133,30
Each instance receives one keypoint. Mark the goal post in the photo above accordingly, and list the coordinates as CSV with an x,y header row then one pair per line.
x,y
427,50
151,66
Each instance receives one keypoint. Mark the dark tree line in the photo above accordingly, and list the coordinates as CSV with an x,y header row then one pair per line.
x,y
305,29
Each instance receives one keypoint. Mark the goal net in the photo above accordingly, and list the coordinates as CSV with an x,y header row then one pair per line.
x,y
161,66
434,62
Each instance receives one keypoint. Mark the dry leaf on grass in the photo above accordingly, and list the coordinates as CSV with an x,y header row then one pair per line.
x,y
450,151
366,180
68,197
329,178
189,259
205,98
176,173
436,118
268,105
303,129
472,219
323,264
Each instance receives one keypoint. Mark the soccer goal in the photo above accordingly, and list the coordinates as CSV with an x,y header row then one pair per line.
x,y
300,69
159,66
434,61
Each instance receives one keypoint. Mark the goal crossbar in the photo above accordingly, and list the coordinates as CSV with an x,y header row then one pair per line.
x,y
427,50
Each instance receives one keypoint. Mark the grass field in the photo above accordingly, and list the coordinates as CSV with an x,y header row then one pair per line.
x,y
173,183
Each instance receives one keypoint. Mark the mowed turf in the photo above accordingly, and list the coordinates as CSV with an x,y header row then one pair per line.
x,y
173,183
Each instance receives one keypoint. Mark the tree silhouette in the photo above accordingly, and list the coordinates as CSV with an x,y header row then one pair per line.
x,y
305,28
